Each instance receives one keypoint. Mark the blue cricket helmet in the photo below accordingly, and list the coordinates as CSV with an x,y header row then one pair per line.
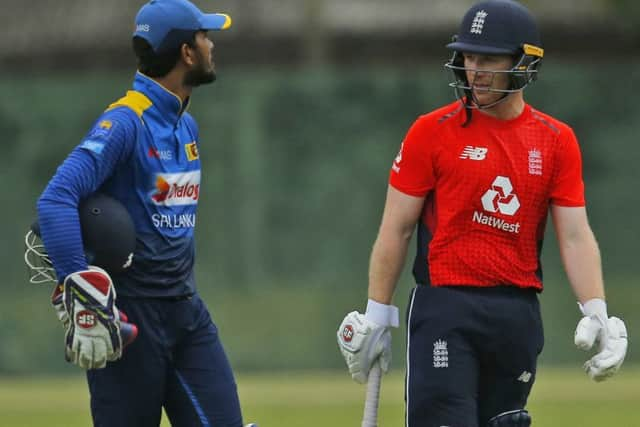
x,y
108,233
108,237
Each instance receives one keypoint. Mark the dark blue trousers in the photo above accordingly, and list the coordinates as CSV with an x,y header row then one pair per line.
x,y
177,362
471,354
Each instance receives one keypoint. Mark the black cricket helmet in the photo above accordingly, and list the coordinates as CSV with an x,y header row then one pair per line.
x,y
496,27
108,236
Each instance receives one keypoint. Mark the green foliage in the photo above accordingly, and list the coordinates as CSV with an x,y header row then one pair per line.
x,y
295,172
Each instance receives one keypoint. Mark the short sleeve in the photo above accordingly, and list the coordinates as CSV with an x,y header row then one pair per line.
x,y
412,172
568,186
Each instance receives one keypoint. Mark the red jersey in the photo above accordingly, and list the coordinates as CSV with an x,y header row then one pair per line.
x,y
488,187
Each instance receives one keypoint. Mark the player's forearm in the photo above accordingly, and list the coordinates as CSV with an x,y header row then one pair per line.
x,y
581,259
387,260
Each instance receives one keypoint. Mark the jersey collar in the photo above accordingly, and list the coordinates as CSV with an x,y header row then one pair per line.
x,y
168,103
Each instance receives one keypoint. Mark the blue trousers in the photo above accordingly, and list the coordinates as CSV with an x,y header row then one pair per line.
x,y
471,354
177,362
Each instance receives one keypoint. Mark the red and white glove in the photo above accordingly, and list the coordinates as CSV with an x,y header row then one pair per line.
x,y
365,338
609,336
58,305
96,331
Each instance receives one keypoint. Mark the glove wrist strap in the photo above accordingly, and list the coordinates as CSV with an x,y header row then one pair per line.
x,y
595,307
382,314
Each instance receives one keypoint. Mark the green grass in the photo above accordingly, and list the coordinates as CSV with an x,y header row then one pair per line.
x,y
561,398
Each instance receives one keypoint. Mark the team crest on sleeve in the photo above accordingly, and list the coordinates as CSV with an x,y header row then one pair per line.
x,y
397,160
95,140
102,129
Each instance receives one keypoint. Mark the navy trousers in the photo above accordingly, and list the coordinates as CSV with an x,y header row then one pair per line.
x,y
471,354
177,362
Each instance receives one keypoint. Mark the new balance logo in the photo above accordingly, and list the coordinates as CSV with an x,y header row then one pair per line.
x,y
525,377
478,22
440,354
474,153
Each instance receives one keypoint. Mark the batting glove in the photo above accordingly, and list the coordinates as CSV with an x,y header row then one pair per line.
x,y
365,338
96,332
609,335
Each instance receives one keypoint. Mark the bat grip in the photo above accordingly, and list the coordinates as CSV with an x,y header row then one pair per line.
x,y
370,418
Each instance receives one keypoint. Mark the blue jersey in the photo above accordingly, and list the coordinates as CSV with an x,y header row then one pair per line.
x,y
142,151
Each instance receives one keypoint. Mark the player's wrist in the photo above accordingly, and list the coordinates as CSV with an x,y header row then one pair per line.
x,y
595,307
382,314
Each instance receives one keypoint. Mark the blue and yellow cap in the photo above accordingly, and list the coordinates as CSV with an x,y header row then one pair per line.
x,y
165,24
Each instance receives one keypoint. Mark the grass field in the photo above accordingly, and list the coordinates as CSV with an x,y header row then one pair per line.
x,y
561,398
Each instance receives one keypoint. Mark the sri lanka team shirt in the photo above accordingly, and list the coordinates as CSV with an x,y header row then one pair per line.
x,y
487,187
143,151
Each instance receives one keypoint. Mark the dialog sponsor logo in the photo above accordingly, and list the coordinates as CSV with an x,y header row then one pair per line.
x,y
175,189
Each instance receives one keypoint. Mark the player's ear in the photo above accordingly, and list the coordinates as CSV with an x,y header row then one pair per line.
x,y
188,54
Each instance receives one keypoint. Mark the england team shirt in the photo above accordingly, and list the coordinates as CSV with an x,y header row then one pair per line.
x,y
487,187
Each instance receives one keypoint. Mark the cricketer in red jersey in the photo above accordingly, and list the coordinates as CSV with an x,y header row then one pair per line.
x,y
479,177
487,189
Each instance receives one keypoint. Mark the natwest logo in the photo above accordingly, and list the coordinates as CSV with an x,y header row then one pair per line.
x,y
499,199
176,189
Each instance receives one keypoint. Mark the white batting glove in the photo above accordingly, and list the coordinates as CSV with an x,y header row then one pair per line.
x,y
365,338
93,336
609,335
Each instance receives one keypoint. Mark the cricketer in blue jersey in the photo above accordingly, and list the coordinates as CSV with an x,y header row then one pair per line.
x,y
143,152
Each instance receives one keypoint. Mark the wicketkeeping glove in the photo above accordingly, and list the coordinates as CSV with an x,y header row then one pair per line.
x,y
96,333
608,334
58,305
365,338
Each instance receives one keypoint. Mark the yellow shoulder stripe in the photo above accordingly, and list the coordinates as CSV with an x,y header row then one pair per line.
x,y
135,100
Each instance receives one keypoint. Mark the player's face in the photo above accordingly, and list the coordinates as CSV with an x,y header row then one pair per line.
x,y
482,77
203,70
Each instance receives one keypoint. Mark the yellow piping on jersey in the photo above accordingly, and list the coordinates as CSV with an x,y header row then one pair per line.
x,y
167,90
137,101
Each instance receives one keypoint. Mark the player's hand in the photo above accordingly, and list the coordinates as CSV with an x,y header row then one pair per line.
x,y
609,335
96,333
365,338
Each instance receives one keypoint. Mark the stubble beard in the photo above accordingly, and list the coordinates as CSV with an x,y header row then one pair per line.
x,y
200,75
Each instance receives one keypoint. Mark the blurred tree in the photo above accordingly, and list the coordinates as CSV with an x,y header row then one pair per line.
x,y
627,13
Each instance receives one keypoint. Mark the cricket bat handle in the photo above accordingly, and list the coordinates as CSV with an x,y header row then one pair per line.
x,y
370,418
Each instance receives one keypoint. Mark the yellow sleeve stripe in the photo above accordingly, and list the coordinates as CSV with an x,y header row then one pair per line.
x,y
134,100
